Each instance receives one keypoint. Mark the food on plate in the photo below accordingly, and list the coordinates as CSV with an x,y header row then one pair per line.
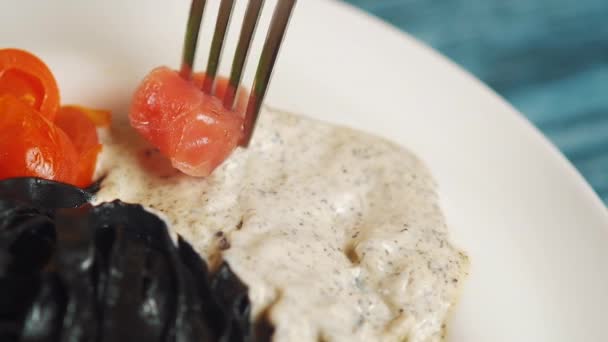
x,y
27,78
38,138
80,124
337,234
331,234
71,271
31,145
190,127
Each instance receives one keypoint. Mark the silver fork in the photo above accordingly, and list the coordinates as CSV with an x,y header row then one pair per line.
x,y
274,37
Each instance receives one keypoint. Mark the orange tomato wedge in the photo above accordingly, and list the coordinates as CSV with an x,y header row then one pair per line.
x,y
31,145
37,137
99,117
75,121
28,79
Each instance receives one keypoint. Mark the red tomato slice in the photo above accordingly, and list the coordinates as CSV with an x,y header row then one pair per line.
x,y
75,122
27,78
191,128
31,145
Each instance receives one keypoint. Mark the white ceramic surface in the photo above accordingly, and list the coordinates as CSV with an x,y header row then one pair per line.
x,y
536,233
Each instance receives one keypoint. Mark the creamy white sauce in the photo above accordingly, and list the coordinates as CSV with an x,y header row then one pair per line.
x,y
337,233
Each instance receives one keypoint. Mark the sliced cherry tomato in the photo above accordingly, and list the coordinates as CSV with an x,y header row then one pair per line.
x,y
191,128
75,122
31,145
27,78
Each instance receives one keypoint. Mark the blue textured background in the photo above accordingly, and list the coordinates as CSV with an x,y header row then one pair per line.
x,y
549,58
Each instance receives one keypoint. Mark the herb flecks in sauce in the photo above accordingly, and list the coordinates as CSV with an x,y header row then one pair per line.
x,y
344,225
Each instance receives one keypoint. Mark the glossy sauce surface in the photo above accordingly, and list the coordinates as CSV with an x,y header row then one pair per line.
x,y
337,233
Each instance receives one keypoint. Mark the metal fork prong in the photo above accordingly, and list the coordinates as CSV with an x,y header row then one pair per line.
x,y
221,26
250,21
276,32
191,38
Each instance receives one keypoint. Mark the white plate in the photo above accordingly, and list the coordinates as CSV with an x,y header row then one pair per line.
x,y
536,233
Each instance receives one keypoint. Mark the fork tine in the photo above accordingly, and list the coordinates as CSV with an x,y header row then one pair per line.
x,y
221,25
278,25
250,21
191,39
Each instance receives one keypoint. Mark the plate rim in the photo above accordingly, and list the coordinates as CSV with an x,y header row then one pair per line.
x,y
548,145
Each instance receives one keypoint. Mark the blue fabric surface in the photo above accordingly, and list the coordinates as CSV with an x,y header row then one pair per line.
x,y
549,58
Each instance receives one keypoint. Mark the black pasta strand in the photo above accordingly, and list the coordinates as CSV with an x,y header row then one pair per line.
x,y
70,271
